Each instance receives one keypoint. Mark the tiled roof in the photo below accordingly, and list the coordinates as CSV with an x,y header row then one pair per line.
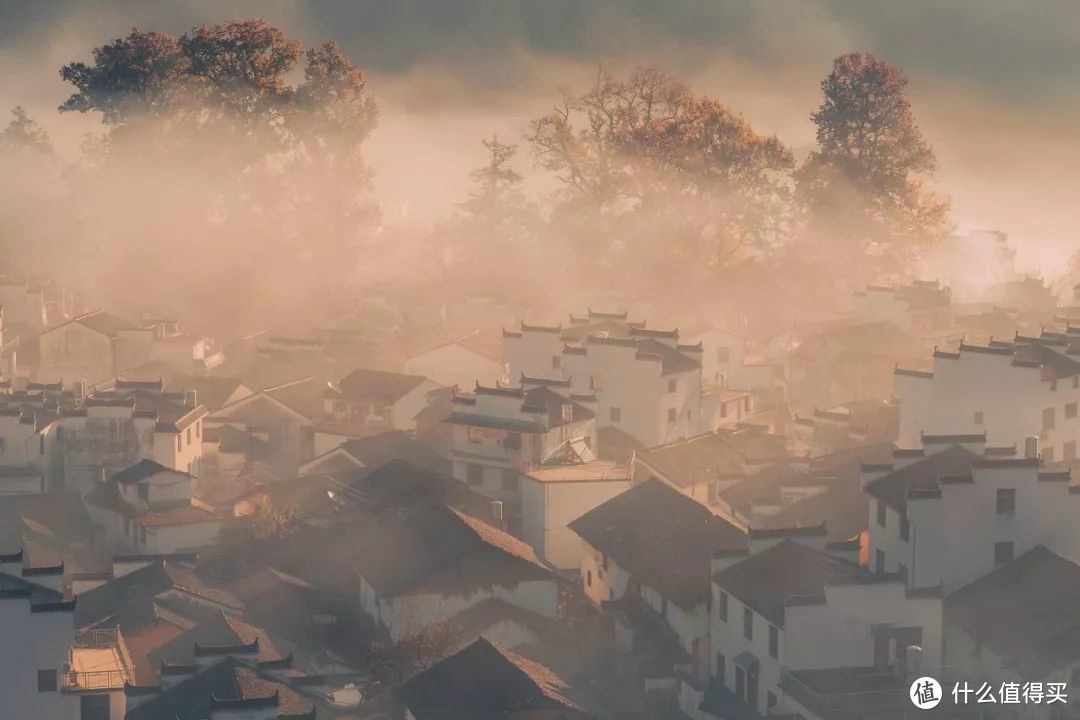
x,y
485,681
104,323
1025,612
226,684
920,475
142,470
219,631
699,459
384,388
660,537
767,579
211,392
97,606
437,549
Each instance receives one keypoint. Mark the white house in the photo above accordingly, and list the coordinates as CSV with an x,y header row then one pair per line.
x,y
553,496
49,669
499,432
700,466
148,508
94,346
796,630
922,308
647,383
950,513
650,548
1009,390
473,357
1018,625
111,430
442,563
374,398
729,360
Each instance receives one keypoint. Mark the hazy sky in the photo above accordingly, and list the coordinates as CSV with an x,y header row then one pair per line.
x,y
995,83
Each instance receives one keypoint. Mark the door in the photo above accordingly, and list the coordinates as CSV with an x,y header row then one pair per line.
x,y
740,682
752,688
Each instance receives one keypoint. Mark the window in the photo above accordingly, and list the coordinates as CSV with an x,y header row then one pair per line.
x,y
474,474
1068,451
1006,501
94,707
143,490
198,429
770,700
594,383
611,594
880,513
721,667
46,680
902,569
746,403
615,413
671,415
979,418
723,354
1053,385
774,642
588,578
509,479
672,386
723,409
1048,419
748,623
189,436
476,435
905,528
142,534
512,441
1048,454
1003,552
1070,410
879,561
179,442
721,607
556,362
604,563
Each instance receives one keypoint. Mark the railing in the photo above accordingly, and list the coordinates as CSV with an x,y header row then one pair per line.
x,y
94,680
822,704
102,638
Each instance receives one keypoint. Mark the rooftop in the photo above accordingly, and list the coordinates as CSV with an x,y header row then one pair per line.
x,y
592,471
661,537
1024,612
437,549
486,681
767,580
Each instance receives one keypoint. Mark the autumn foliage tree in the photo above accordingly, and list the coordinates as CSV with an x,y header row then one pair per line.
x,y
864,188
662,179
265,174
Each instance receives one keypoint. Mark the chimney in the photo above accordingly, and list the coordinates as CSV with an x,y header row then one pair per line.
x,y
190,399
1031,446
78,388
497,514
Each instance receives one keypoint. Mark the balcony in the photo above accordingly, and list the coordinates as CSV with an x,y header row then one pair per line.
x,y
97,661
855,692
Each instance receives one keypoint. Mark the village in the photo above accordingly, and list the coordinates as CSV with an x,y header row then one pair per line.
x,y
449,509
471,360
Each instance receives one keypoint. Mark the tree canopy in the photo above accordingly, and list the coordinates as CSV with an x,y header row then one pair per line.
x,y
864,186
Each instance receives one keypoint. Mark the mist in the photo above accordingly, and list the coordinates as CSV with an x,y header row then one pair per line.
x,y
990,85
